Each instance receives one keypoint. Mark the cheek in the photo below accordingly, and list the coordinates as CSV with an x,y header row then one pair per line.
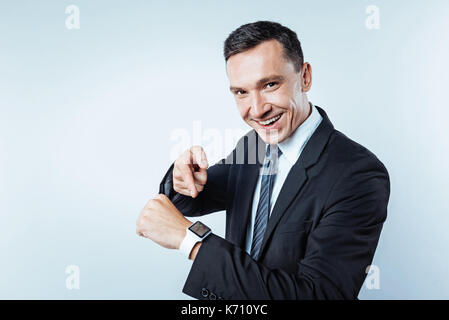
x,y
243,108
279,99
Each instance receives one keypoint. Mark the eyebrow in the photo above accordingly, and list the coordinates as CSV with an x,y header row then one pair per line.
x,y
262,81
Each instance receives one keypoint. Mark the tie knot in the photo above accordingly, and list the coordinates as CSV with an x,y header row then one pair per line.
x,y
273,151
271,159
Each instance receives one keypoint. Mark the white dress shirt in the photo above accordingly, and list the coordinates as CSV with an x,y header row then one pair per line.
x,y
291,150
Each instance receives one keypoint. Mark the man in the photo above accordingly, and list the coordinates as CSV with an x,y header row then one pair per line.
x,y
303,220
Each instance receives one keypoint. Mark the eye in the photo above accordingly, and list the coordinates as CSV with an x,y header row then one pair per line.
x,y
271,84
239,92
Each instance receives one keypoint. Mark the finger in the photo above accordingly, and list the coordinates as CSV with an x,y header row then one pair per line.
x,y
176,173
200,177
184,191
185,159
182,187
199,157
184,170
187,179
199,187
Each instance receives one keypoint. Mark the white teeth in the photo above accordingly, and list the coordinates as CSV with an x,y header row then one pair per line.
x,y
269,120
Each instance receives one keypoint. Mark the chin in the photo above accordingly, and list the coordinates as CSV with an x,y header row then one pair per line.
x,y
270,139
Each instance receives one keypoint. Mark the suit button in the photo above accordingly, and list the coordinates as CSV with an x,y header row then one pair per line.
x,y
212,296
204,292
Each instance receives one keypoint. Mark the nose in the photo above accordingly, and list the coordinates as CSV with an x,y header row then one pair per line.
x,y
259,107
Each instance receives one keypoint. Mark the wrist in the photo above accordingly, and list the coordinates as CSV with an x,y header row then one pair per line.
x,y
195,250
183,232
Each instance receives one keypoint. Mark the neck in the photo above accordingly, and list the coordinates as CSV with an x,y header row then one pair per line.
x,y
305,113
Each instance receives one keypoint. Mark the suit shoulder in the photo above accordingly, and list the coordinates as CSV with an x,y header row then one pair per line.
x,y
351,153
251,136
240,148
357,172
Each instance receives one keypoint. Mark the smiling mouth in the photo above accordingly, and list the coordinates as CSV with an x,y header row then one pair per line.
x,y
269,122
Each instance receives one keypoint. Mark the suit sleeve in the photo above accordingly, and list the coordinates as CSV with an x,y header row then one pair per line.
x,y
338,251
213,198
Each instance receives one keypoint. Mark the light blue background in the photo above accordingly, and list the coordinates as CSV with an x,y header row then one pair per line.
x,y
86,118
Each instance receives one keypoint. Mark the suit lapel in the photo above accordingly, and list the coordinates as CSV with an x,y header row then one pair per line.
x,y
254,150
292,185
246,186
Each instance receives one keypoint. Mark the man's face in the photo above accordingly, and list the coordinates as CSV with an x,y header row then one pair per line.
x,y
267,90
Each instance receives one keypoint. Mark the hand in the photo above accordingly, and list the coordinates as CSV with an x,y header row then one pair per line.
x,y
190,172
162,222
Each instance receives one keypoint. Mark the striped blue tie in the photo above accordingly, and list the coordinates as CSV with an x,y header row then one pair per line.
x,y
263,208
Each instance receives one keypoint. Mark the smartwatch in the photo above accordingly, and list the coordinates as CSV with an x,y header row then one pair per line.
x,y
197,232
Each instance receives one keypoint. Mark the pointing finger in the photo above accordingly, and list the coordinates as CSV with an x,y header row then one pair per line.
x,y
199,157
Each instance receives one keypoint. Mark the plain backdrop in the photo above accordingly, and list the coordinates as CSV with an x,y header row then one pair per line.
x,y
89,120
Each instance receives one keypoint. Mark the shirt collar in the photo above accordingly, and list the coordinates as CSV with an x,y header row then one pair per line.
x,y
295,143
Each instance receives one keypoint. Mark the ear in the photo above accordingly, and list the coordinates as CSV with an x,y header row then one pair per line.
x,y
306,78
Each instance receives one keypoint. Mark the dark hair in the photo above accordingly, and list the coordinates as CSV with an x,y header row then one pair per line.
x,y
250,35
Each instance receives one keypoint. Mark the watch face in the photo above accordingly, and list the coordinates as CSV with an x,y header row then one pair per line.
x,y
199,229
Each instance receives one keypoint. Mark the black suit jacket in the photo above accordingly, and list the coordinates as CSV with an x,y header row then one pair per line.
x,y
322,232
